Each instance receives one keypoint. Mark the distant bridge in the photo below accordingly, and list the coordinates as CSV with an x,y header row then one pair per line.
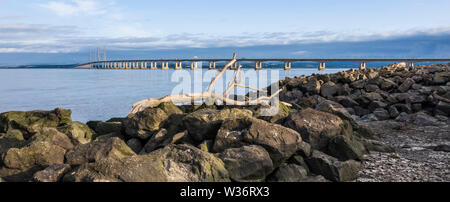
x,y
193,63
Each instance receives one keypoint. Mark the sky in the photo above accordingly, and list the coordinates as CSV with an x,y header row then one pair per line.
x,y
64,31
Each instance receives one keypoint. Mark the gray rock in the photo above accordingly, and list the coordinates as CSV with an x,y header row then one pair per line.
x,y
312,86
53,173
333,169
32,121
381,114
403,108
104,128
145,123
280,142
204,124
346,148
135,144
160,139
288,173
387,84
406,85
247,164
393,112
78,132
369,117
316,127
299,160
377,146
421,118
415,97
329,89
376,104
304,149
94,151
346,101
173,163
371,88
444,107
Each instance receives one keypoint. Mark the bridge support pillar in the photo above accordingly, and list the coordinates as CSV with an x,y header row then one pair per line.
x,y
165,65
178,65
258,65
411,64
211,66
287,65
362,65
321,66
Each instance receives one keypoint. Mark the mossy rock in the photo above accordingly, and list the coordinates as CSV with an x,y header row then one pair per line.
x,y
93,151
145,123
170,108
78,132
173,163
204,124
32,121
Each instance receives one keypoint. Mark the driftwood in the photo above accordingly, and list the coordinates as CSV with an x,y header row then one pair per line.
x,y
440,98
208,94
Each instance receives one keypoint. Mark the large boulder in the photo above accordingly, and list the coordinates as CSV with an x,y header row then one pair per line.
x,y
247,164
39,153
94,151
406,85
386,84
45,148
173,163
54,137
346,148
316,127
443,107
289,173
104,128
311,86
11,139
169,108
78,132
203,124
280,142
160,139
333,169
145,123
329,89
32,121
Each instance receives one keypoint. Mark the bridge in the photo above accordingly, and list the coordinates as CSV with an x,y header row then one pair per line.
x,y
193,63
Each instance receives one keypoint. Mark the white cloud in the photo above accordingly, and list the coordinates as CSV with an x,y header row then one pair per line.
x,y
47,38
74,7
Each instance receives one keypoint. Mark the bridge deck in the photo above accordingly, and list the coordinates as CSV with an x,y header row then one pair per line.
x,y
291,60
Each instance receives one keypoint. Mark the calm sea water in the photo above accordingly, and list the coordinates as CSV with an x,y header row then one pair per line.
x,y
103,94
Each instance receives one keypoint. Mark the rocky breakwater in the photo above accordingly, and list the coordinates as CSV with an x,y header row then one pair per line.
x,y
329,134
407,108
172,143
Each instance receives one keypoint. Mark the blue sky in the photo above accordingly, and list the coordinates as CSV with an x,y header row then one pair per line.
x,y
63,31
